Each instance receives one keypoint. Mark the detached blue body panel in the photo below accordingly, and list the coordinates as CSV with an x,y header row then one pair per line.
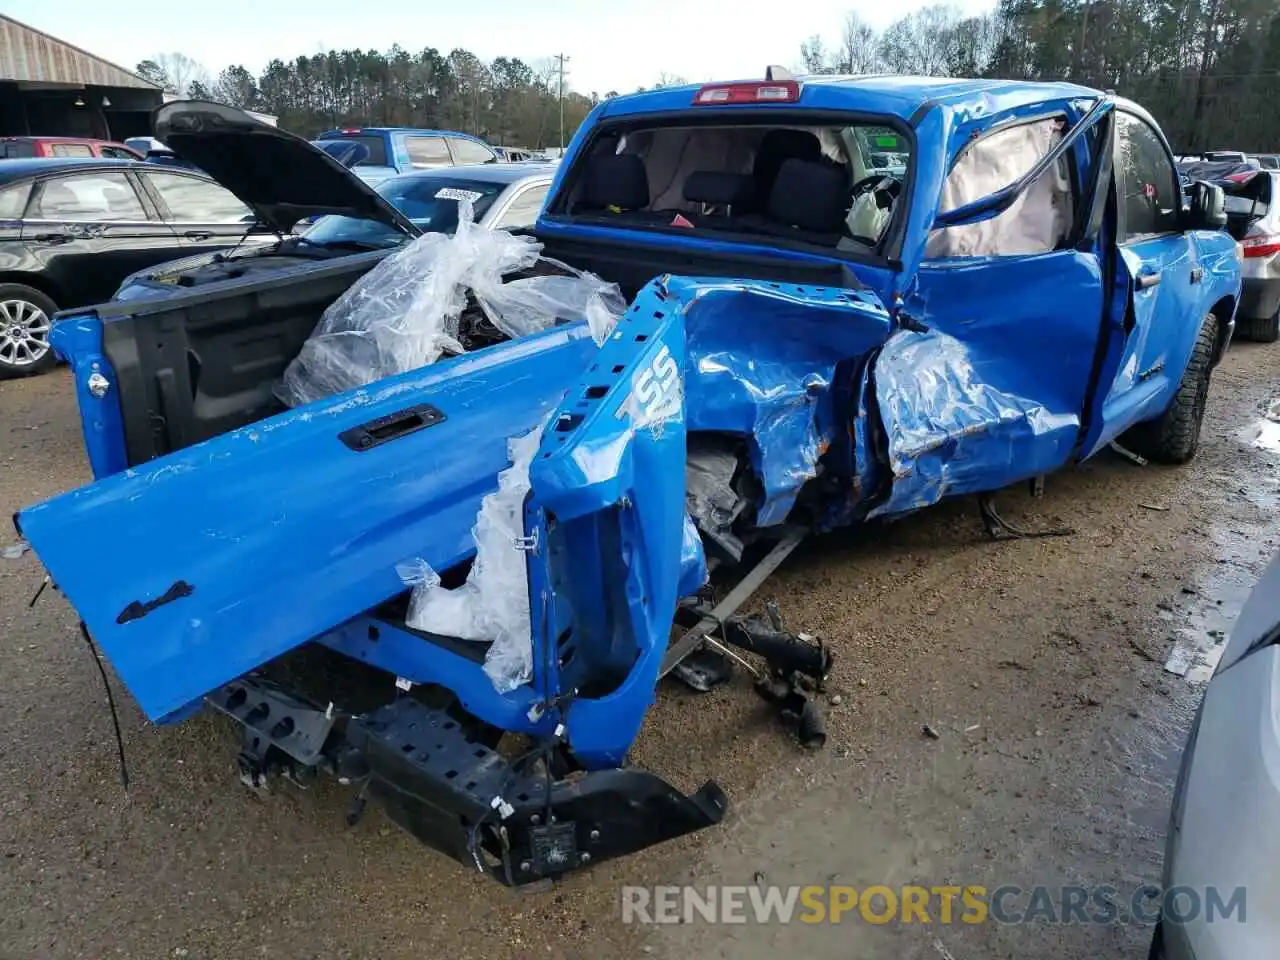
x,y
77,339
281,531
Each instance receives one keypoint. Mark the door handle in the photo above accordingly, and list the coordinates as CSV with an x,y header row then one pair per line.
x,y
198,235
53,238
1146,281
1197,274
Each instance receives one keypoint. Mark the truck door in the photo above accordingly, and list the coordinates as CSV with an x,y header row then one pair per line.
x,y
1153,316
991,386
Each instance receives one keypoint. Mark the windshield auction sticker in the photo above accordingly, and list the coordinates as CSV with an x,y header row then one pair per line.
x,y
452,193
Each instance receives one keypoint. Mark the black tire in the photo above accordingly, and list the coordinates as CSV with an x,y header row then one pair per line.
x,y
26,316
1259,329
1174,436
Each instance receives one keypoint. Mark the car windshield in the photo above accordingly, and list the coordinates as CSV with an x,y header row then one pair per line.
x,y
430,202
835,186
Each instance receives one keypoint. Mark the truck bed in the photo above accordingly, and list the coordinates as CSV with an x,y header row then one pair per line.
x,y
200,363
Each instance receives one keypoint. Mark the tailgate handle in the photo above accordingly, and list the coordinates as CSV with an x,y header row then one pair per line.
x,y
1148,280
392,426
198,235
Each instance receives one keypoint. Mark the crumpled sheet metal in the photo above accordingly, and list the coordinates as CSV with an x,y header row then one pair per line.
x,y
950,432
761,362
404,313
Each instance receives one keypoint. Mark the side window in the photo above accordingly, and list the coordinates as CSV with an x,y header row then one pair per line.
x,y
468,151
1148,183
19,150
428,152
13,201
524,209
118,153
89,196
70,150
1038,221
197,201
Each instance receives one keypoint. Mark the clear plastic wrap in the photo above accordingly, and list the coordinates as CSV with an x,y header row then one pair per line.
x,y
493,604
405,312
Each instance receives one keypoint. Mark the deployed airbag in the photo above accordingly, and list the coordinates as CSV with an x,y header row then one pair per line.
x,y
1036,221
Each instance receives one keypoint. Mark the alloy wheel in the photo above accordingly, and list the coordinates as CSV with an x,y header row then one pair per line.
x,y
24,333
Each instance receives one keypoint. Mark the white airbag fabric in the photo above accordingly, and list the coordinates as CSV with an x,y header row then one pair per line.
x,y
1036,222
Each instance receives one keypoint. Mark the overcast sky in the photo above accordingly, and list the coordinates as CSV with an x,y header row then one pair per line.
x,y
612,44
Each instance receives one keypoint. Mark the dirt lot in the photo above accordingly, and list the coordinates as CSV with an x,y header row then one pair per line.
x,y
1037,663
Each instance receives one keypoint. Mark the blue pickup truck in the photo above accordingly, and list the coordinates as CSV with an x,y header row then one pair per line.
x,y
815,337
382,152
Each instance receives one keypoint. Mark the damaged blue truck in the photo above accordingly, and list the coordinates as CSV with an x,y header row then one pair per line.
x,y
841,299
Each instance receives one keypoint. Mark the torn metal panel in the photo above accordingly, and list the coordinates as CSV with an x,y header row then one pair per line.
x,y
763,361
949,430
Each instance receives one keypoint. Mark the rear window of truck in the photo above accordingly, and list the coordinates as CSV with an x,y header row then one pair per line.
x,y
377,147
830,186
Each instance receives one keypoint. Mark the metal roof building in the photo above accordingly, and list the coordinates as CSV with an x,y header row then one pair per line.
x,y
49,87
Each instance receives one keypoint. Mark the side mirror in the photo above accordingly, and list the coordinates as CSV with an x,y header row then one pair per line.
x,y
1207,209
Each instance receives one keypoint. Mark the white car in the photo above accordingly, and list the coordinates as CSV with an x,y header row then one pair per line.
x,y
1253,218
1224,835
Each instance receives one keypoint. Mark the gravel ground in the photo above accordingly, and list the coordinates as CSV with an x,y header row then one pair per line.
x,y
1037,663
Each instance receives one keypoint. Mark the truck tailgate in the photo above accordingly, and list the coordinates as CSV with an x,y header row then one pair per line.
x,y
199,566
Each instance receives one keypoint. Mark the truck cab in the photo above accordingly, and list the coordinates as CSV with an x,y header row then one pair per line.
x,y
386,151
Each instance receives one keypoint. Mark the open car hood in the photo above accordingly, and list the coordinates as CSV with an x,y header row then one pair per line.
x,y
282,178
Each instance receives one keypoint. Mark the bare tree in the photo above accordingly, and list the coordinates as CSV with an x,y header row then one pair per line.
x,y
815,56
669,80
859,47
181,71
923,42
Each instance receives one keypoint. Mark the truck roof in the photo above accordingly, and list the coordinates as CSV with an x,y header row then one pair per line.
x,y
372,131
899,96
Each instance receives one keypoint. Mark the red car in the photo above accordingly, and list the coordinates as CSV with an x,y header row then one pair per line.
x,y
23,147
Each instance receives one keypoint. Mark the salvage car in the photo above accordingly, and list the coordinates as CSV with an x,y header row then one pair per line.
x,y
746,330
71,230
1253,218
344,216
1221,838
24,148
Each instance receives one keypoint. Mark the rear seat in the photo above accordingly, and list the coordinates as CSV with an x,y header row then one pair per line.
x,y
721,195
809,201
617,183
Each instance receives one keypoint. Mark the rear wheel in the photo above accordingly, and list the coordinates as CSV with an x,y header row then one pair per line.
x,y
1261,329
26,315
1174,436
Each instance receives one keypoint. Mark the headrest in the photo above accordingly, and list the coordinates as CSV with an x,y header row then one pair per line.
x,y
616,180
777,146
810,195
717,187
